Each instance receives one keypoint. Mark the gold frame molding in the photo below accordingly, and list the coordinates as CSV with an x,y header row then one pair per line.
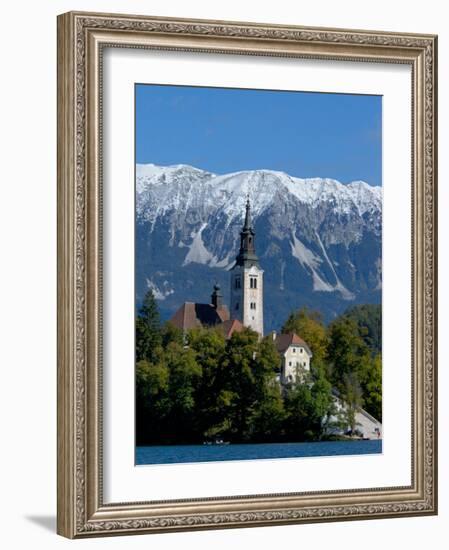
x,y
81,38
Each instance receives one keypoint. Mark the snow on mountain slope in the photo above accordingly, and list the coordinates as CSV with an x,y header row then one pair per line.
x,y
181,186
314,236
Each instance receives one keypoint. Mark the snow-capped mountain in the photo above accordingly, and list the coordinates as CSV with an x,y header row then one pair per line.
x,y
318,240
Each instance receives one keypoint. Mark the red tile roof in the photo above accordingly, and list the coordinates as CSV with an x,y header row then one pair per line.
x,y
284,341
223,313
192,315
230,326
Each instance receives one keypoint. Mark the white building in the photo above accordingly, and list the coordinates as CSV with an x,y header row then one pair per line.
x,y
247,280
295,357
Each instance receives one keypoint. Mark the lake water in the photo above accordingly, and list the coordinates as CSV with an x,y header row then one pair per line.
x,y
173,454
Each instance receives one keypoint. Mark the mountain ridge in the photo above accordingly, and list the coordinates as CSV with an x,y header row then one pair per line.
x,y
317,239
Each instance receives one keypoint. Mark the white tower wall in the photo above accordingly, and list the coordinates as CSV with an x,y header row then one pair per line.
x,y
247,297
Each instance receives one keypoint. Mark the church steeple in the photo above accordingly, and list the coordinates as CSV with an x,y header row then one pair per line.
x,y
247,280
247,225
247,254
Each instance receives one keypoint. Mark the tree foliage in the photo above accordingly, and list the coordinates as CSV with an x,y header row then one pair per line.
x,y
309,325
198,386
368,318
372,387
148,334
347,353
353,368
352,397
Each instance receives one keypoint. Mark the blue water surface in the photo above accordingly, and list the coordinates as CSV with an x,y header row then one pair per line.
x,y
173,454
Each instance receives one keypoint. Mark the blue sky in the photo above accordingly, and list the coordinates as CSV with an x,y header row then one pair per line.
x,y
226,130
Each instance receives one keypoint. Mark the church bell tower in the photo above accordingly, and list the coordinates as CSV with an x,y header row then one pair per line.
x,y
247,280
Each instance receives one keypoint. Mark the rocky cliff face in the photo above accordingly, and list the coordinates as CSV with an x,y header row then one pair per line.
x,y
319,241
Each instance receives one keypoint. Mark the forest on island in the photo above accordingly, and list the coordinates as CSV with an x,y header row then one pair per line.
x,y
200,387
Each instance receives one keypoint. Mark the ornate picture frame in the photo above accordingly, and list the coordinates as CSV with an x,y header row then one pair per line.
x,y
82,39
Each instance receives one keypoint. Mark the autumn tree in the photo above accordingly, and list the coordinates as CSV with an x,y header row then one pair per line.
x,y
371,383
309,326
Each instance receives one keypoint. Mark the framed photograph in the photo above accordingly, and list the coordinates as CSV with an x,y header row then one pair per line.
x,y
246,274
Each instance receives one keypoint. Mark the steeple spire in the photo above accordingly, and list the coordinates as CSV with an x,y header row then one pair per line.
x,y
247,224
247,253
247,279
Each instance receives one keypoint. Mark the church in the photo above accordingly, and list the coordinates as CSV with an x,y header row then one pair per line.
x,y
246,307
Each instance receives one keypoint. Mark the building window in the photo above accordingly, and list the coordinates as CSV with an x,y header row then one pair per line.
x,y
289,363
237,283
300,350
294,350
252,282
252,305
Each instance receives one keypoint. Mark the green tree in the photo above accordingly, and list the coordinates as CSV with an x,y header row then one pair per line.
x,y
211,400
148,334
266,364
352,398
309,326
184,379
196,386
371,383
152,402
268,414
347,353
309,405
170,333
237,379
354,368
368,318
322,396
300,424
